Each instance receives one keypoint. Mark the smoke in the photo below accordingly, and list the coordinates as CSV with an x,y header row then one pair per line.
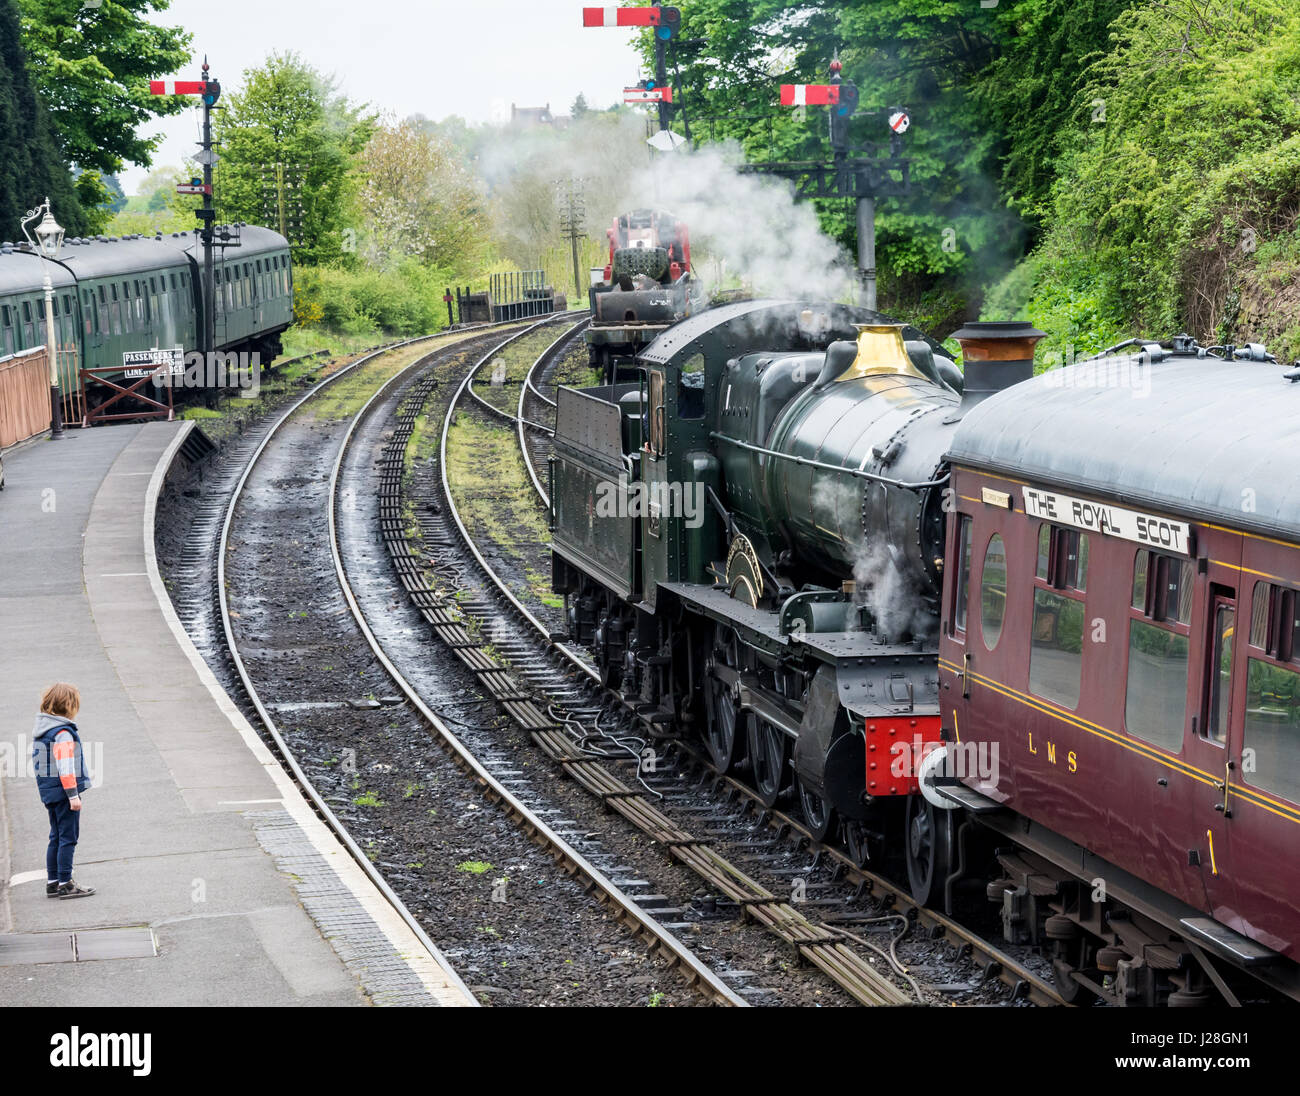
x,y
743,227
889,594
882,585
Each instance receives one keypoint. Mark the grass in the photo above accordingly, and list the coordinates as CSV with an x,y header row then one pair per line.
x,y
474,867
493,491
518,358
369,799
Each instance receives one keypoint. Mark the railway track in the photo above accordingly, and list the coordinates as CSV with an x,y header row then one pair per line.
x,y
270,687
552,692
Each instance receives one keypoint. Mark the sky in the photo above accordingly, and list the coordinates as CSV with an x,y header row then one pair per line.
x,y
434,57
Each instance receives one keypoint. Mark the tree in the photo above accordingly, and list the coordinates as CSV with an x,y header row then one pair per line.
x,y
579,107
288,113
991,90
157,207
416,201
31,167
91,65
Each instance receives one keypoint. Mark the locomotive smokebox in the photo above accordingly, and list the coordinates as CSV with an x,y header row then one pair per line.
x,y
997,354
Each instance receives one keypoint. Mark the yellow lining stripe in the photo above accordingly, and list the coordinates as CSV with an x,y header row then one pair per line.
x,y
1251,795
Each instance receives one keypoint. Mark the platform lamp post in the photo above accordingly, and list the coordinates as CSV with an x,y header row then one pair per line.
x,y
49,242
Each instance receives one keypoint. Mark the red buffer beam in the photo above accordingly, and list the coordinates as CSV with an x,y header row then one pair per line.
x,y
620,17
809,95
177,87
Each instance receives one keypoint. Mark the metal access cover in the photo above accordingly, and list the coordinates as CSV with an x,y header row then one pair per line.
x,y
36,947
132,943
72,947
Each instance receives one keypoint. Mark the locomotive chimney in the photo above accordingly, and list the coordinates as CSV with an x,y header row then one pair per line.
x,y
996,355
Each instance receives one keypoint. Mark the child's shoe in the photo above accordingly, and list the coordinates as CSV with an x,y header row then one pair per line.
x,y
71,889
51,890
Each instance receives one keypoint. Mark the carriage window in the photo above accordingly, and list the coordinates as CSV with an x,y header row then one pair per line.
x,y
1155,707
1216,723
1271,744
1063,557
963,573
1056,654
993,591
1155,704
1162,587
1275,622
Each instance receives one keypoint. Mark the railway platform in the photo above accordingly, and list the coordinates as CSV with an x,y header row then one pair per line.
x,y
215,882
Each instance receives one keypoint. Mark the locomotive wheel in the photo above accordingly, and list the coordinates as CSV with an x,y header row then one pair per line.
x,y
817,813
768,752
855,843
720,734
928,840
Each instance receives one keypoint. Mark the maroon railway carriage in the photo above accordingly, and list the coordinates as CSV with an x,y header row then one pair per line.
x,y
1121,636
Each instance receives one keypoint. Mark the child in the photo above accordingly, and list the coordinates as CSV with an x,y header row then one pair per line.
x,y
60,778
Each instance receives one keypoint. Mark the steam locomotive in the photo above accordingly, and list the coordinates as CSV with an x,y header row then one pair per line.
x,y
983,623
647,286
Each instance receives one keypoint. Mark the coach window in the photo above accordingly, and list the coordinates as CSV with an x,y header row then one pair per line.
x,y
1056,650
993,591
29,327
1271,737
1155,706
962,593
7,347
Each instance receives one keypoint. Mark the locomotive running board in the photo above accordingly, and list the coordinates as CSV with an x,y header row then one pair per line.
x,y
1228,944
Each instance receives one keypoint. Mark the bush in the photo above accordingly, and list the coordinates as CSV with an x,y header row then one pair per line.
x,y
1178,195
406,300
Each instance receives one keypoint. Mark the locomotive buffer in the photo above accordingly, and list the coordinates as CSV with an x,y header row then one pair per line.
x,y
863,178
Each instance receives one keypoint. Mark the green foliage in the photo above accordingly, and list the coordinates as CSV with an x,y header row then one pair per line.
x,y
990,91
92,67
31,167
403,300
1161,209
288,113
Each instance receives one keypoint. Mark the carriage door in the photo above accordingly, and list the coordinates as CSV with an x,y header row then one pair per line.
x,y
1211,745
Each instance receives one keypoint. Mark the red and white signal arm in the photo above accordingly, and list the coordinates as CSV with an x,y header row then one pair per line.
x,y
648,95
899,121
620,17
177,87
809,95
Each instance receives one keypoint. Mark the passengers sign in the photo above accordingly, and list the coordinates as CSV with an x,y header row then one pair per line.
x,y
140,363
1099,517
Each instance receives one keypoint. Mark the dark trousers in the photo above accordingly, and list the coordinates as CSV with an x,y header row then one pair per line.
x,y
65,827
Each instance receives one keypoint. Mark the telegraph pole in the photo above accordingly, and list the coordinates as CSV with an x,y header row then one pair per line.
x,y
573,224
